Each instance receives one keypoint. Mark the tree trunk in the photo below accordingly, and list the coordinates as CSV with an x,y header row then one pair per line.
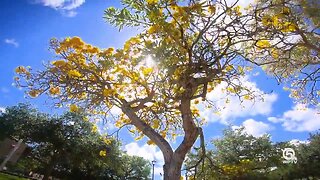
x,y
173,164
47,172
173,159
172,170
49,168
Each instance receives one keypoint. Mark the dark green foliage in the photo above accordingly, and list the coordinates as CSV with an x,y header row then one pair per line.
x,y
66,147
238,155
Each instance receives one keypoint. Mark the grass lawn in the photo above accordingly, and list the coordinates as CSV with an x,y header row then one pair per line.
x,y
10,177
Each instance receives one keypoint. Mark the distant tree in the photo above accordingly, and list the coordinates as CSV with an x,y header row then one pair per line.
x,y
236,155
135,167
308,159
67,146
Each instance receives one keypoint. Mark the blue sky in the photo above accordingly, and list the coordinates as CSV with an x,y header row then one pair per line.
x,y
28,25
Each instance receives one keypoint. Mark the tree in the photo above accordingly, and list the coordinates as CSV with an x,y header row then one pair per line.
x,y
135,167
157,79
237,155
308,159
290,49
68,146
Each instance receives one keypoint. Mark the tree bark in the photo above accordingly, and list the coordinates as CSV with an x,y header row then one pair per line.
x,y
173,159
172,168
49,168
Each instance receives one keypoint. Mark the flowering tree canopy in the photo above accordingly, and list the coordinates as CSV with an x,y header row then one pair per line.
x,y
290,48
158,78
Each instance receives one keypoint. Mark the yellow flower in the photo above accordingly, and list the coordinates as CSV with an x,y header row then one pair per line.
x,y
34,93
108,92
229,68
266,20
231,89
156,124
153,29
59,63
76,41
286,11
274,53
263,43
237,10
275,21
109,51
94,129
163,134
20,70
146,71
74,73
94,50
288,27
139,137
247,97
150,142
85,118
107,141
74,108
212,9
54,90
152,1
103,153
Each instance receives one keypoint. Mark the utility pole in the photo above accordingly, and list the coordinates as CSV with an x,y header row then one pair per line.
x,y
16,147
186,174
153,163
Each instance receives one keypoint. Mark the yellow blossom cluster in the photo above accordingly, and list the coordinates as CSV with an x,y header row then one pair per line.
x,y
54,90
34,93
74,108
263,44
279,21
94,128
24,71
20,70
68,43
103,153
123,119
236,169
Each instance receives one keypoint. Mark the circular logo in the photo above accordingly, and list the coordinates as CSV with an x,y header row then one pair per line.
x,y
288,154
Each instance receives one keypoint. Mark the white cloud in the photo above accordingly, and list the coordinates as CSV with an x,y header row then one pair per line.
x,y
149,153
241,3
2,109
297,142
12,42
255,128
115,111
299,119
66,7
274,119
62,4
234,108
69,13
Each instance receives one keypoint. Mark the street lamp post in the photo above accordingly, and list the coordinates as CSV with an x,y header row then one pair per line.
x,y
153,163
186,174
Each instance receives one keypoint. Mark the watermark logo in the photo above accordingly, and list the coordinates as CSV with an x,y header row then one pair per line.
x,y
289,155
